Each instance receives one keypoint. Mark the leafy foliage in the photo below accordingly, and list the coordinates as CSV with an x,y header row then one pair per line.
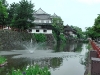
x,y
93,31
78,31
3,14
23,16
97,24
40,37
4,2
31,70
57,24
57,27
89,32
2,60
62,36
12,11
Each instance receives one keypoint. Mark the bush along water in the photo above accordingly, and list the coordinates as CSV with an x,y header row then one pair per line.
x,y
31,70
3,61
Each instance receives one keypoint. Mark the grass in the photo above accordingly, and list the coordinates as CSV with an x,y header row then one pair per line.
x,y
31,70
2,60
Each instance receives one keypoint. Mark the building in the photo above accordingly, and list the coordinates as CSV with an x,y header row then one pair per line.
x,y
69,31
43,22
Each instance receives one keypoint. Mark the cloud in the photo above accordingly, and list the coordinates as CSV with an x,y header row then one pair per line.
x,y
91,2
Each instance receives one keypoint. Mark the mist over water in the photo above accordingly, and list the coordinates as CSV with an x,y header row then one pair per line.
x,y
33,46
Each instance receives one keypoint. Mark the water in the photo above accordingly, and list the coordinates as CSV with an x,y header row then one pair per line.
x,y
31,46
67,61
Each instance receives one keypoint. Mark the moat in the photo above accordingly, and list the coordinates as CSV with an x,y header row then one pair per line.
x,y
65,61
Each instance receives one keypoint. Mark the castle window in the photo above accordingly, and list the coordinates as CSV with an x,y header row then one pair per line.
x,y
45,30
37,30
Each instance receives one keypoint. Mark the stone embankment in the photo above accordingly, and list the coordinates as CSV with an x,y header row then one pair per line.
x,y
13,40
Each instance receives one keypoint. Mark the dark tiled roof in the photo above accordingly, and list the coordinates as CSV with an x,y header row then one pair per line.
x,y
68,28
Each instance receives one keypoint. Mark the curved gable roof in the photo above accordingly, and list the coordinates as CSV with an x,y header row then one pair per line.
x,y
40,11
55,16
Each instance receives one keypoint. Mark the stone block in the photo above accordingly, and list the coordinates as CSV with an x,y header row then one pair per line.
x,y
95,66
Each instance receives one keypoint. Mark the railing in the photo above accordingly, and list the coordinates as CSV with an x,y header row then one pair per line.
x,y
95,47
95,59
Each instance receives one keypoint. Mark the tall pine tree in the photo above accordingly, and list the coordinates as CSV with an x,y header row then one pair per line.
x,y
23,19
3,14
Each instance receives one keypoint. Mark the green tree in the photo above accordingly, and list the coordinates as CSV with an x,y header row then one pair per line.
x,y
93,31
97,24
90,32
57,27
78,31
58,24
40,37
24,15
12,11
3,14
96,28
4,2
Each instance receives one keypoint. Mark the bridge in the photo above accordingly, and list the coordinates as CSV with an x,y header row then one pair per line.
x,y
94,59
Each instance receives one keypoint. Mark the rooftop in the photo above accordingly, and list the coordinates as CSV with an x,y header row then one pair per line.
x,y
41,14
67,28
55,16
40,11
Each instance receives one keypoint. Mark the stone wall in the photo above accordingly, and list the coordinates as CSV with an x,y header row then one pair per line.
x,y
12,40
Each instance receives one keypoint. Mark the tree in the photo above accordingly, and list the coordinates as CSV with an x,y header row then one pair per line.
x,y
24,15
78,31
40,37
58,24
97,24
3,14
12,11
4,2
93,31
57,27
89,32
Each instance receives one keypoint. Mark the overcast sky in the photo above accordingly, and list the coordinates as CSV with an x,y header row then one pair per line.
x,y
79,13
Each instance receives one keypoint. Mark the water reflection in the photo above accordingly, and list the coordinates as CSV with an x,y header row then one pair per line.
x,y
68,47
22,62
79,47
65,60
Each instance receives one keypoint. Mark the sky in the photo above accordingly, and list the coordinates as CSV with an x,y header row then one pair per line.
x,y
80,13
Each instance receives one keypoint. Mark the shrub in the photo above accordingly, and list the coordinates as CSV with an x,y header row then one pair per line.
x,y
2,60
31,70
62,37
40,37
